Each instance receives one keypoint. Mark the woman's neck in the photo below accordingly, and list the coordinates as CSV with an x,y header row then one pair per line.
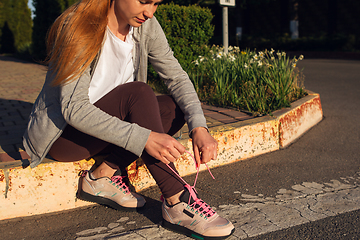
x,y
116,26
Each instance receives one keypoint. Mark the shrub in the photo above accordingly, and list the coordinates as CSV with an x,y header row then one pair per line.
x,y
188,30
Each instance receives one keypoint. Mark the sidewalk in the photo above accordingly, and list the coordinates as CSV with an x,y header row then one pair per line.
x,y
240,136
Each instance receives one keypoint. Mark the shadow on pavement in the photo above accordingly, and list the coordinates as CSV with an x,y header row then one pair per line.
x,y
13,122
22,59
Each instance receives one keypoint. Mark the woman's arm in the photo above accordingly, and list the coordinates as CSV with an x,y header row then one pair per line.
x,y
176,79
84,116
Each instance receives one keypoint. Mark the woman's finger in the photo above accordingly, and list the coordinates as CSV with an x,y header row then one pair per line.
x,y
197,156
206,156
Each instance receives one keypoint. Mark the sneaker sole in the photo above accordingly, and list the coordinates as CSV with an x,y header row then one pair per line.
x,y
190,233
102,200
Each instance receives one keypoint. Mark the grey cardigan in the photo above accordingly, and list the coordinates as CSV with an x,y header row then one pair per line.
x,y
58,106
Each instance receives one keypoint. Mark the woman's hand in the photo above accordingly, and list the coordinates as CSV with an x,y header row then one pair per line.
x,y
204,145
164,147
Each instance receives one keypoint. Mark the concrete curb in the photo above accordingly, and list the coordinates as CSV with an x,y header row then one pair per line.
x,y
52,186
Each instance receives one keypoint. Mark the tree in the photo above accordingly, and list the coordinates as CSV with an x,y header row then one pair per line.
x,y
15,25
2,20
2,15
21,23
46,11
7,40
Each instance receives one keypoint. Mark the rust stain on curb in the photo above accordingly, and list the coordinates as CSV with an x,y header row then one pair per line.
x,y
52,186
299,119
2,184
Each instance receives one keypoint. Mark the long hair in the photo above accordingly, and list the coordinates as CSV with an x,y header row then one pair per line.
x,y
75,38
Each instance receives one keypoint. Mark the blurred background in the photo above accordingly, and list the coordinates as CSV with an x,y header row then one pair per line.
x,y
289,25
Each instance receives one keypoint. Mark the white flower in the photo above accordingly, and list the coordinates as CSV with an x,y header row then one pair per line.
x,y
246,66
279,54
272,58
232,58
294,65
301,57
260,63
283,54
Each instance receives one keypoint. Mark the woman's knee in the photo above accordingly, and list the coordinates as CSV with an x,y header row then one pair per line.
x,y
140,91
141,88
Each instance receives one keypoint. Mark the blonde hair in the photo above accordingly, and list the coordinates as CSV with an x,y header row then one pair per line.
x,y
75,38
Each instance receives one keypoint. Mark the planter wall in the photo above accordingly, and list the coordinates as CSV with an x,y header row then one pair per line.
x,y
52,185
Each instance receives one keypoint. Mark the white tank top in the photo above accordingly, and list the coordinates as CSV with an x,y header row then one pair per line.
x,y
114,67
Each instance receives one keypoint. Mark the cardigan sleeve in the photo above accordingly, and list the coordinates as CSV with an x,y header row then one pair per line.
x,y
176,79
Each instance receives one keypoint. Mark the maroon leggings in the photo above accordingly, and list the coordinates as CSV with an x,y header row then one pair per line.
x,y
136,103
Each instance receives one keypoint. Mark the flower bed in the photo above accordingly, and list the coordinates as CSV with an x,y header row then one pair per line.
x,y
258,82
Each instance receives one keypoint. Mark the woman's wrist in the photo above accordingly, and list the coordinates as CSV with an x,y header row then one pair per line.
x,y
199,129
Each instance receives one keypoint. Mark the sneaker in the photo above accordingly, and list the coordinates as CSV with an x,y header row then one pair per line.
x,y
194,218
110,192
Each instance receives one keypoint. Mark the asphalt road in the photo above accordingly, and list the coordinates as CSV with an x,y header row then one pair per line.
x,y
328,151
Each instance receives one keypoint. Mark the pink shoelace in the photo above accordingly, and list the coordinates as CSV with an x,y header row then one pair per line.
x,y
118,180
198,204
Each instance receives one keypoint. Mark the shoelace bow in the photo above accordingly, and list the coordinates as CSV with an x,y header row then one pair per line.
x,y
118,180
198,204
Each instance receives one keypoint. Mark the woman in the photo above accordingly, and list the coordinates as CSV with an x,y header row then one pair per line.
x,y
95,98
